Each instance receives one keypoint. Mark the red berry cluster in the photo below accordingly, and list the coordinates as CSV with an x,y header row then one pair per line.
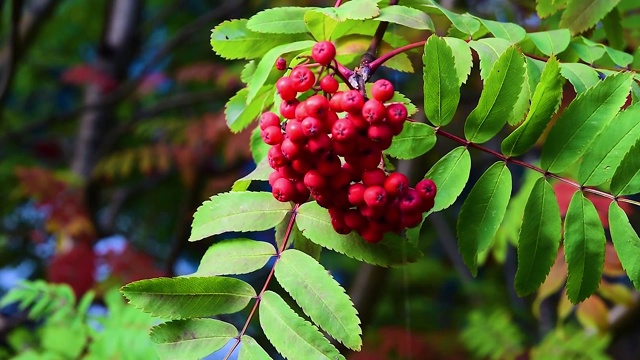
x,y
336,159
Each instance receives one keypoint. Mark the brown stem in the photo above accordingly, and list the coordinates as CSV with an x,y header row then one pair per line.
x,y
287,234
545,173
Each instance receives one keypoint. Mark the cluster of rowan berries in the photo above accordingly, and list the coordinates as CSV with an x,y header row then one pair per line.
x,y
330,147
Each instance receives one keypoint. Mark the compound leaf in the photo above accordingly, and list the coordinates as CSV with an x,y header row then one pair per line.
x,y
626,242
450,174
320,25
353,10
626,179
552,41
580,15
580,76
504,30
415,139
251,350
320,297
279,20
239,114
544,104
584,247
406,16
233,40
463,58
582,120
290,334
441,87
489,50
237,256
237,211
539,238
191,338
189,297
482,213
315,224
499,96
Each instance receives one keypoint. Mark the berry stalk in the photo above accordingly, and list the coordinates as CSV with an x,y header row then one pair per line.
x,y
285,241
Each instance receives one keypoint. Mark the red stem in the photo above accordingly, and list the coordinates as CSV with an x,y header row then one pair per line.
x,y
338,2
285,241
545,173
375,64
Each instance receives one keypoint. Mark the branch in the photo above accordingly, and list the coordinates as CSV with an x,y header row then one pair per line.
x,y
292,220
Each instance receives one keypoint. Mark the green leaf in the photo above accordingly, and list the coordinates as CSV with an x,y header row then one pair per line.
x,y
415,139
463,58
261,172
320,297
626,242
301,243
504,30
353,10
315,224
620,58
464,23
189,297
239,115
601,160
259,150
406,16
320,25
580,76
237,256
279,20
265,66
626,179
581,15
498,97
247,71
232,40
290,334
237,211
584,247
441,88
489,50
482,213
582,120
450,174
352,46
251,350
544,103
612,24
523,103
552,41
191,338
587,53
545,8
539,238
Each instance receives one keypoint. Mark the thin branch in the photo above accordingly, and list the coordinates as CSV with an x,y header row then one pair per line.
x,y
12,49
292,220
338,3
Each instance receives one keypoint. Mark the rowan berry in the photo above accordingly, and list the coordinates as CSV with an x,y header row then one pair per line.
x,y
269,119
382,90
285,89
323,52
303,78
283,190
272,135
329,84
375,196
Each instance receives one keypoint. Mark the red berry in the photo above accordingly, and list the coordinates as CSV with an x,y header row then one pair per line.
x,y
343,148
354,171
352,101
382,90
370,159
329,84
319,144
272,135
340,226
284,86
314,180
294,132
410,201
273,177
288,172
356,194
371,212
301,165
301,111
276,158
281,64
283,190
323,52
427,189
374,177
329,164
411,220
340,179
375,196
324,199
302,193
358,121
335,103
341,199
354,219
397,113
396,184
427,204
330,119
317,106
343,130
374,111
290,150
288,108
371,235
269,119
311,126
381,135
303,78
392,215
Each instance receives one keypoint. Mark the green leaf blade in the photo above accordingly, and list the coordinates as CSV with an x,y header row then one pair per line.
x,y
545,102
290,334
539,238
551,42
581,15
610,146
450,174
582,120
584,248
251,350
504,30
626,242
237,211
191,338
280,20
463,58
626,179
441,88
239,115
315,224
189,297
482,213
406,16
580,76
234,257
498,97
233,40
320,297
414,140
489,51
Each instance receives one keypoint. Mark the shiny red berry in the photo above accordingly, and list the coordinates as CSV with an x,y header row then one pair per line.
x,y
323,52
303,78
288,108
283,190
311,126
382,90
374,177
375,196
374,111
343,130
329,84
284,86
269,119
317,106
294,132
352,101
281,64
396,184
356,194
272,135
314,180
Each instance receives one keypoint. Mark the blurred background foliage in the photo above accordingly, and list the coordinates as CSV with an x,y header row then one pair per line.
x,y
112,133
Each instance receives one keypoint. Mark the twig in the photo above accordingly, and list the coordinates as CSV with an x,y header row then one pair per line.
x,y
338,3
287,234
